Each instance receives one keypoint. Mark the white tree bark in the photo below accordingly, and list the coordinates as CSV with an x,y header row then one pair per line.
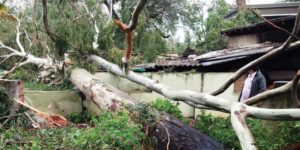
x,y
238,110
167,130
92,16
238,116
103,95
48,64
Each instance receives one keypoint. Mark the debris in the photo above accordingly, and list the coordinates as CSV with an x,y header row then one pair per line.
x,y
50,120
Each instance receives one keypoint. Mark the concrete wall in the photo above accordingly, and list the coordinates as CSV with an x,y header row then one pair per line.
x,y
65,102
199,82
242,40
60,102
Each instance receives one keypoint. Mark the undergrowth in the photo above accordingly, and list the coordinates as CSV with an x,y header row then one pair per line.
x,y
108,130
29,76
165,105
287,132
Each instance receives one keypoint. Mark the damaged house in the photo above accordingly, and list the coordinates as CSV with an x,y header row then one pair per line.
x,y
204,73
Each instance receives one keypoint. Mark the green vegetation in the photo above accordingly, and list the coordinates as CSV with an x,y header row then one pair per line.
x,y
266,138
165,105
208,34
287,132
108,130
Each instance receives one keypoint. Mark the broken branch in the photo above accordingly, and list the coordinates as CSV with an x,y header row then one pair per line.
x,y
294,92
274,25
286,46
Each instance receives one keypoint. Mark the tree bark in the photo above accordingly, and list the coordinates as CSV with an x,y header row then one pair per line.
x,y
14,90
170,133
238,120
241,5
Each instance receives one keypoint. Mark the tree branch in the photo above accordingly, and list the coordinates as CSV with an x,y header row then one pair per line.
x,y
181,95
18,35
238,116
268,94
286,46
109,7
10,49
96,34
294,92
45,20
204,99
244,69
128,31
136,13
272,24
19,64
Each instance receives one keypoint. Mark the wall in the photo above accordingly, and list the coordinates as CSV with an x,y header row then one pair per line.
x,y
199,82
66,102
59,102
242,40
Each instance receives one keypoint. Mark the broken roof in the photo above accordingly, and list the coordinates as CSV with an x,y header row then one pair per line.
x,y
237,53
212,58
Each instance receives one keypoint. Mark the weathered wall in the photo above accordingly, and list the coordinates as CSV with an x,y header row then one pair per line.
x,y
60,102
242,40
65,102
199,82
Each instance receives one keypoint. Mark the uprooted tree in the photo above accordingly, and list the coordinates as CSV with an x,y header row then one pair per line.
x,y
107,97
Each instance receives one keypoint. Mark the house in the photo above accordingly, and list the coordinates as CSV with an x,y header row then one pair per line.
x,y
207,72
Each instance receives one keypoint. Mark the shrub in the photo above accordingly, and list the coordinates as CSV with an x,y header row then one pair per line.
x,y
108,130
165,105
265,138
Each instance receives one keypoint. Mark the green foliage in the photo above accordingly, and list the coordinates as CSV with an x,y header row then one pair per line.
x,y
209,31
108,130
66,85
245,18
221,129
25,74
3,8
165,105
218,128
4,103
80,118
150,45
210,38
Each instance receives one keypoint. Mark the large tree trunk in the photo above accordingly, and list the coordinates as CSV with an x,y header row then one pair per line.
x,y
169,132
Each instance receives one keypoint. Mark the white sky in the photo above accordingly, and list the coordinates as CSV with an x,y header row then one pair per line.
x,y
180,35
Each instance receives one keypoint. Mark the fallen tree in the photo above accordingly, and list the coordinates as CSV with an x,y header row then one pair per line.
x,y
170,133
48,65
15,92
238,110
107,97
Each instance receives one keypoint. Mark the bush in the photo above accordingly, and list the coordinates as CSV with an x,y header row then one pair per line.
x,y
288,132
165,105
265,138
108,130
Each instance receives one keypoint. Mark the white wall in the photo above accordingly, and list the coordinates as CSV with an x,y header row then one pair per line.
x,y
199,82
